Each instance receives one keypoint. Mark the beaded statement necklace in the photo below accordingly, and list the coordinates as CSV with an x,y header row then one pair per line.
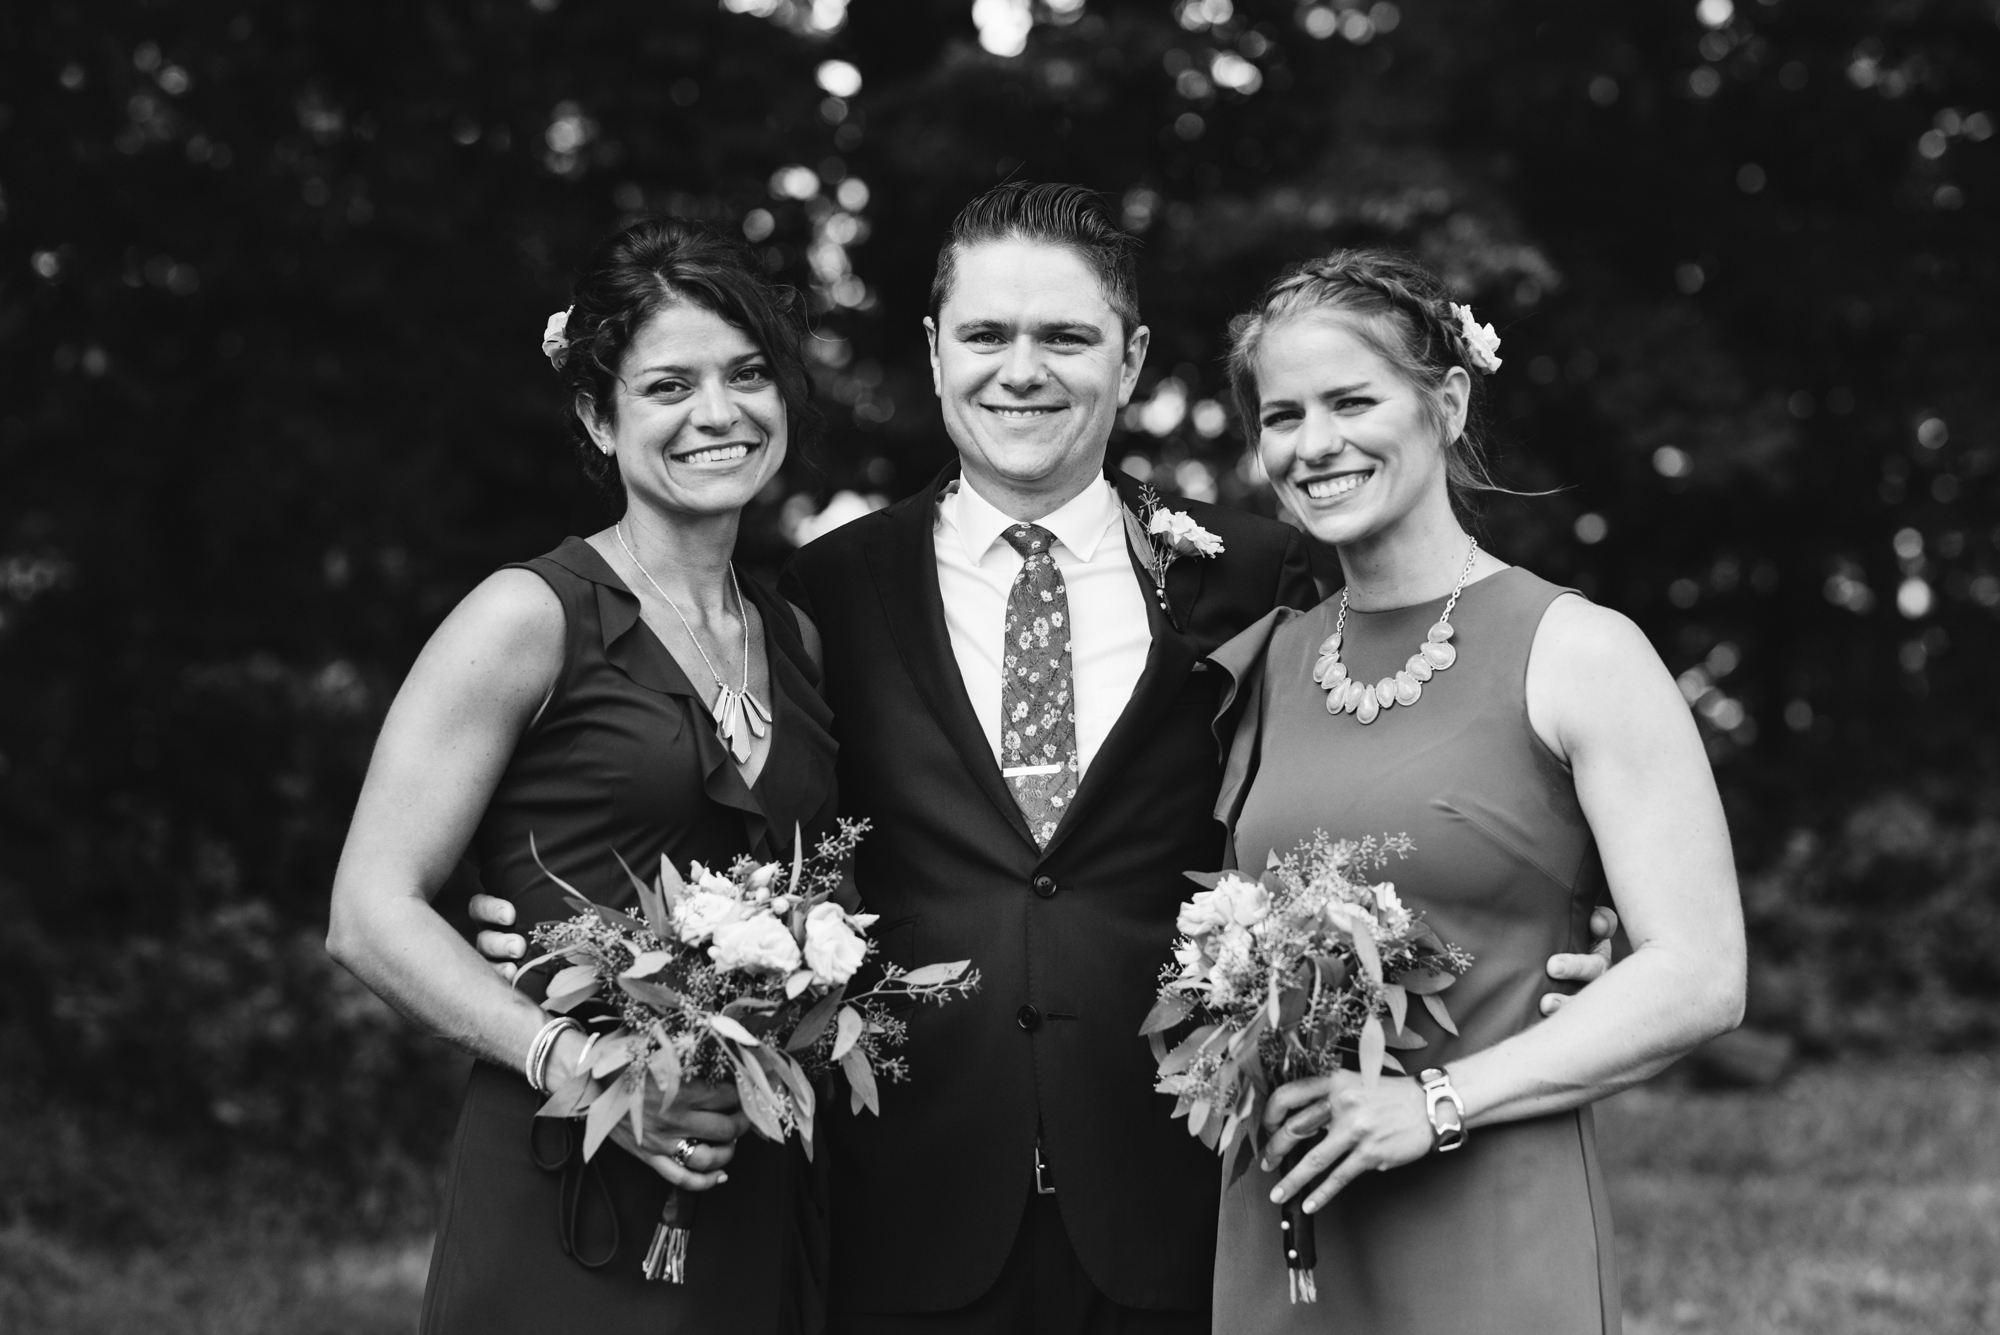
x,y
740,717
1344,695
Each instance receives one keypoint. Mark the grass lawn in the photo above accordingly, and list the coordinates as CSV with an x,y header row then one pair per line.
x,y
1859,1199
1856,1199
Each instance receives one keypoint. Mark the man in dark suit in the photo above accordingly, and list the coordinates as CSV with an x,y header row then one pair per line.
x,y
1025,712
1028,1178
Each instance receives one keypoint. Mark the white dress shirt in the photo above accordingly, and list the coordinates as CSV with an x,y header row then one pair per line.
x,y
1110,632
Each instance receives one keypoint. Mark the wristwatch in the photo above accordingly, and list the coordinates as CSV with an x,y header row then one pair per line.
x,y
1443,1106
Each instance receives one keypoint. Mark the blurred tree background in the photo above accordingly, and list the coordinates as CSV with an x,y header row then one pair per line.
x,y
272,275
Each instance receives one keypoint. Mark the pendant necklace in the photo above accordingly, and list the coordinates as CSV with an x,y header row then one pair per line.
x,y
740,717
1344,695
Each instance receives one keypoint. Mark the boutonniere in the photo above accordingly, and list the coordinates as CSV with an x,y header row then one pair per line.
x,y
1167,535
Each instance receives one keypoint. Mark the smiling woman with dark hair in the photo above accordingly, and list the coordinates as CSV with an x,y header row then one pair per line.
x,y
628,693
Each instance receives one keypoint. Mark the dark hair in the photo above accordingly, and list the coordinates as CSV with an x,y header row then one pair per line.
x,y
649,265
1404,315
1055,215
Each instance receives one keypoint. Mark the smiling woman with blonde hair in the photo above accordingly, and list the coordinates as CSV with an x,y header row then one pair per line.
x,y
1537,752
627,694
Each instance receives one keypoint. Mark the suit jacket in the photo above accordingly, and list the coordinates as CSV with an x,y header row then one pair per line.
x,y
1069,941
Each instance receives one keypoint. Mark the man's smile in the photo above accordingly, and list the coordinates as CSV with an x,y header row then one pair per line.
x,y
1023,412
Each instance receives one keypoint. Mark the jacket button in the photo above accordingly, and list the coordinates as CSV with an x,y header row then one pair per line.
x,y
1028,1018
1045,886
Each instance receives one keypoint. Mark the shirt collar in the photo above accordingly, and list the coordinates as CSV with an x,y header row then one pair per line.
x,y
1080,524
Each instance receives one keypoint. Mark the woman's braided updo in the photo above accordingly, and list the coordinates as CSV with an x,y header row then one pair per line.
x,y
1403,313
650,265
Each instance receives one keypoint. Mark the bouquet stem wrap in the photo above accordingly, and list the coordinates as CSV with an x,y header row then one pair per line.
x,y
666,1255
1295,1227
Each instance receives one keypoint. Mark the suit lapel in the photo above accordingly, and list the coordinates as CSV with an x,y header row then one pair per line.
x,y
1167,665
902,556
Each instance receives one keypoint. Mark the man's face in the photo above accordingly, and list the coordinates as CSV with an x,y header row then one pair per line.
x,y
1032,366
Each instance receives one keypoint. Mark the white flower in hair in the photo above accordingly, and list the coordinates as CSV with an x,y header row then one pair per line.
x,y
555,338
1481,344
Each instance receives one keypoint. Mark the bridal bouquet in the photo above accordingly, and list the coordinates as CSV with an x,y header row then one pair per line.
x,y
737,976
1291,975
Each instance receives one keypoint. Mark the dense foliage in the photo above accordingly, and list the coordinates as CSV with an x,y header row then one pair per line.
x,y
272,276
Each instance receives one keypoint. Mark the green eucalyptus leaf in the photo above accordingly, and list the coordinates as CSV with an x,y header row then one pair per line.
x,y
813,1023
861,1080
1399,1005
1188,1049
614,1103
571,1097
729,1027
930,975
1291,1007
1167,1012
562,1003
1373,1048
849,1031
1435,1005
1423,981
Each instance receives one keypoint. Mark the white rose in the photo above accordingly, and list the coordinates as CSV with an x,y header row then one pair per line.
x,y
833,951
1203,914
697,914
760,942
1194,964
1248,902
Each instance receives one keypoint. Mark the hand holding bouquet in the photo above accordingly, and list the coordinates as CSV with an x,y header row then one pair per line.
x,y
1288,976
732,977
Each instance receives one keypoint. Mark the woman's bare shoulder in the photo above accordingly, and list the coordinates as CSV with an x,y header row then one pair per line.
x,y
1591,637
510,626
1593,675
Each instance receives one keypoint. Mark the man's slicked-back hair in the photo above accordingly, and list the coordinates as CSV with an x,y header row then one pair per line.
x,y
1049,214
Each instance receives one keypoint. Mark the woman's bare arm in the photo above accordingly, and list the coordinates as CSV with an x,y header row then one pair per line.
x,y
442,749
1601,698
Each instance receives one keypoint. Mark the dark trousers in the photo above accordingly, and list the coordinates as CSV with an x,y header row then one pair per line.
x,y
1042,1290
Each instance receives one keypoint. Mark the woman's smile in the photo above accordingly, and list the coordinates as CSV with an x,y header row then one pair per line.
x,y
1336,485
728,452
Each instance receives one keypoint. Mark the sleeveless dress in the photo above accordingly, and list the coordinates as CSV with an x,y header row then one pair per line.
x,y
1510,1235
624,756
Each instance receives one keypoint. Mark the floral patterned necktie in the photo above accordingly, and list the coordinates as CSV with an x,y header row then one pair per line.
x,y
1037,702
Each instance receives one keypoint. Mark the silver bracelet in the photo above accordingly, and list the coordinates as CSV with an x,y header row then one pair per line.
x,y
538,1051
583,1058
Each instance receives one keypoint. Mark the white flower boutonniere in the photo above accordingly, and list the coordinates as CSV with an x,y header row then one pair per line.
x,y
1169,535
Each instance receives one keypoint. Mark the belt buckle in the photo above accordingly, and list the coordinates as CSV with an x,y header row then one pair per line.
x,y
1044,1186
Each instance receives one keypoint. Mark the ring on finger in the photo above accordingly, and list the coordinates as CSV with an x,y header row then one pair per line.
x,y
685,1152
